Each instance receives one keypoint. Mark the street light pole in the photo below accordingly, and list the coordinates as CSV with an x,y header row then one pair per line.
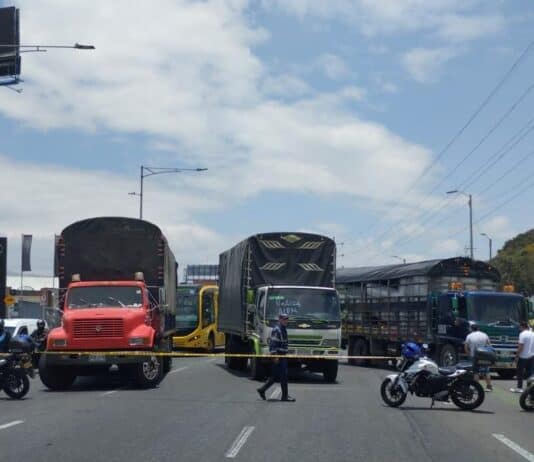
x,y
490,240
157,171
470,203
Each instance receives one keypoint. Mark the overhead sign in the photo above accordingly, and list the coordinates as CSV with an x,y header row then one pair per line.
x,y
10,300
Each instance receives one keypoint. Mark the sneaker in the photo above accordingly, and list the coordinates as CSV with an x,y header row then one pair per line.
x,y
289,399
261,393
516,390
489,388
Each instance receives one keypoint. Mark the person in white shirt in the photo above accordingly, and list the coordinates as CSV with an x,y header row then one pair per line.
x,y
474,340
525,356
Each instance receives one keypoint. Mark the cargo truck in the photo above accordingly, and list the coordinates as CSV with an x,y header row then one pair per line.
x,y
117,289
430,302
273,273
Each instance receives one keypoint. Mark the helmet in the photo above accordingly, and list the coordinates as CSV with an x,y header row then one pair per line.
x,y
40,324
411,350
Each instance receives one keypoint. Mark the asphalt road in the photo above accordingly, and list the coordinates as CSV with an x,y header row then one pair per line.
x,y
203,412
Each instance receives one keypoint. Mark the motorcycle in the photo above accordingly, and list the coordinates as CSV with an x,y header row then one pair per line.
x,y
422,376
526,400
15,368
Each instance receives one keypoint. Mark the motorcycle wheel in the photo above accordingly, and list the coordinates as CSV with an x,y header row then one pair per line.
x,y
392,396
467,395
526,399
16,384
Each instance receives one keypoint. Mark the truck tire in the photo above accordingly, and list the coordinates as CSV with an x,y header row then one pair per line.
x,y
506,374
330,371
359,348
257,370
167,364
448,356
148,374
56,378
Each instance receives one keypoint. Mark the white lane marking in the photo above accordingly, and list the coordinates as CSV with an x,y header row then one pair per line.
x,y
239,442
11,424
174,371
107,393
276,393
515,447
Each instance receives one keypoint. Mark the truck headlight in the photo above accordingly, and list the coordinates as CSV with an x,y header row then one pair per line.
x,y
59,342
137,341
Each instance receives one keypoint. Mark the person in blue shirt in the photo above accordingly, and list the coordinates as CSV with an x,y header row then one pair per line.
x,y
5,337
278,346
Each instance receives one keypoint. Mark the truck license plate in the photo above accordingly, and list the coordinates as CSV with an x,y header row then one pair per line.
x,y
97,359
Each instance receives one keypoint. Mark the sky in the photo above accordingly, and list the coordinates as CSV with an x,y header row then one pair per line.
x,y
346,118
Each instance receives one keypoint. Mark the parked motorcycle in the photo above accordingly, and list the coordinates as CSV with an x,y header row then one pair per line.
x,y
15,368
526,400
421,376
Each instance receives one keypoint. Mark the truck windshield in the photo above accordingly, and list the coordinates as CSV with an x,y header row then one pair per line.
x,y
300,303
187,310
105,297
494,309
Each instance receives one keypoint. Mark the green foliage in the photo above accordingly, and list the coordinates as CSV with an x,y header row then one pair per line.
x,y
515,261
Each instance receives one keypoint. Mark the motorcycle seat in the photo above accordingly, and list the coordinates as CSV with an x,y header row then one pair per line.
x,y
446,370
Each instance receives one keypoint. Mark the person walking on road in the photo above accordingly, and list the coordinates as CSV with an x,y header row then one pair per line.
x,y
278,346
474,340
525,356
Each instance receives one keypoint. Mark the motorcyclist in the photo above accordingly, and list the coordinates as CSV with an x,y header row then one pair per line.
x,y
5,337
39,335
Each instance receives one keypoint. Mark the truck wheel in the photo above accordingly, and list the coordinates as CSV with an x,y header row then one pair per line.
x,y
56,378
507,374
148,373
448,356
257,371
167,364
360,348
330,371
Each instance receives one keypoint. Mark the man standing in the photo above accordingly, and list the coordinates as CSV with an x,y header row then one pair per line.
x,y
474,340
525,356
278,346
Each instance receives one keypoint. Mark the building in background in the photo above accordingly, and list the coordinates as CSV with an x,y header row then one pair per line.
x,y
201,274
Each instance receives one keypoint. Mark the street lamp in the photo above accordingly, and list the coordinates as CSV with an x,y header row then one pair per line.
x,y
158,171
400,258
470,203
490,243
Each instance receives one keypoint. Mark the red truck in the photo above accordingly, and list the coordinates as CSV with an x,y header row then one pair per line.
x,y
117,290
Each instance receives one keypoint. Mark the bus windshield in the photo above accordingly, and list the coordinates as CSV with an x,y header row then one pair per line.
x,y
302,303
186,309
494,309
105,297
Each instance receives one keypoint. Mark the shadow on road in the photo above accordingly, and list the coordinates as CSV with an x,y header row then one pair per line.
x,y
441,409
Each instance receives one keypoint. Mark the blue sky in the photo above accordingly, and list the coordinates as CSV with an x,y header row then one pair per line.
x,y
316,116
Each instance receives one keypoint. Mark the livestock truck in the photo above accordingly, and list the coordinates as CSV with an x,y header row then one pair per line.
x,y
272,273
432,302
117,289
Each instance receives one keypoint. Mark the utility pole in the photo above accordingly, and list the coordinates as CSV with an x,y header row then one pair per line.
x,y
157,171
470,203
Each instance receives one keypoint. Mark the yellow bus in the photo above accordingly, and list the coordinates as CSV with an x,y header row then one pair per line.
x,y
196,318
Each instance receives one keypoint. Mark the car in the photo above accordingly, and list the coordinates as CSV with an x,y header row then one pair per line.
x,y
20,326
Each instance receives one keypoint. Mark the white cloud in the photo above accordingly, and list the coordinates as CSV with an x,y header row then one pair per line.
x,y
333,66
498,227
453,20
424,64
446,248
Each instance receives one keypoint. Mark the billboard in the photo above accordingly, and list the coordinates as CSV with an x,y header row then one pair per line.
x,y
9,42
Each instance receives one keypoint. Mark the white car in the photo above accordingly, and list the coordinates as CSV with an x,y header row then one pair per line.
x,y
20,326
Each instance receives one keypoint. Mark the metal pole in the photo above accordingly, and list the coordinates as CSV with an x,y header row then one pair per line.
x,y
141,196
471,225
490,243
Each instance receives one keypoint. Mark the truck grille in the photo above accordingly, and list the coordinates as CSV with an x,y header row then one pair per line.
x,y
304,341
98,328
